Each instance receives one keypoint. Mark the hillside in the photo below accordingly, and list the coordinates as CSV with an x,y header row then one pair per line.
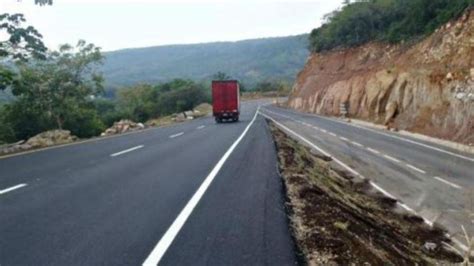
x,y
249,61
425,87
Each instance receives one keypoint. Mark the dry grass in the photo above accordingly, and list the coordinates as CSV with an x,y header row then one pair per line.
x,y
338,220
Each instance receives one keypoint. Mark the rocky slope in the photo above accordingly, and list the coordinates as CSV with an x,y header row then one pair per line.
x,y
425,87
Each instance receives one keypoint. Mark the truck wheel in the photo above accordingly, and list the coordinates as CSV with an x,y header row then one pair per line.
x,y
218,120
236,119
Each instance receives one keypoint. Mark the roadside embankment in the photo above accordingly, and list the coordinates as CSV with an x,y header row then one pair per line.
x,y
337,219
62,137
425,87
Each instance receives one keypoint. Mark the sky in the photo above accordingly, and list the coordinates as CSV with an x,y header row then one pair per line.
x,y
118,24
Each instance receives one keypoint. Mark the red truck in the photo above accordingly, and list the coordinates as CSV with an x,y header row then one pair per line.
x,y
226,100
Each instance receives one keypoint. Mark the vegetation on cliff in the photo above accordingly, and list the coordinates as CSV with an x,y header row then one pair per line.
x,y
393,21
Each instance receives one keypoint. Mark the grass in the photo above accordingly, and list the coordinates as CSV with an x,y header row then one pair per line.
x,y
338,219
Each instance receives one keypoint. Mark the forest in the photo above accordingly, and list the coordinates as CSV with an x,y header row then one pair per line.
x,y
391,21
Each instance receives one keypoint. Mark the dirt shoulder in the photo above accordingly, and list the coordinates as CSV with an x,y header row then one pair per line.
x,y
337,219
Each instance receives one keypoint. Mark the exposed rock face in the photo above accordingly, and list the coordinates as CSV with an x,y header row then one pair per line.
x,y
427,87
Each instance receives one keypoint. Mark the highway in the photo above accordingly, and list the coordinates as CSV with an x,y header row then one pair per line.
x,y
201,193
195,193
434,181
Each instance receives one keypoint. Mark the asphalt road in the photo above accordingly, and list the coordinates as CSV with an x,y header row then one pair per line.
x,y
115,201
201,193
434,181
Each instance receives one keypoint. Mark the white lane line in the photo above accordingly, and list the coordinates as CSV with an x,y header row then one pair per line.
x,y
391,158
383,191
314,146
373,150
447,182
395,137
386,193
176,135
201,127
127,150
12,188
332,134
357,144
416,169
344,139
160,249
324,130
345,166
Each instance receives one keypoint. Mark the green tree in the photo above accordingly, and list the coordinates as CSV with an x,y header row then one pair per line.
x,y
138,103
143,102
43,2
220,76
21,43
362,21
58,93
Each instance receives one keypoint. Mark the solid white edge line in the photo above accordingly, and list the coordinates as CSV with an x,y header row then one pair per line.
x,y
162,246
386,193
12,188
416,168
313,146
127,150
176,135
393,136
447,182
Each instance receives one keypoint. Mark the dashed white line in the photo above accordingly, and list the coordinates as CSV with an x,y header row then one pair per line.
x,y
127,150
344,139
324,130
406,207
391,158
176,135
447,182
12,188
160,249
332,134
396,137
373,150
416,169
357,144
201,127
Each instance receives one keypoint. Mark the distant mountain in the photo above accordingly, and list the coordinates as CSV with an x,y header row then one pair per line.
x,y
249,61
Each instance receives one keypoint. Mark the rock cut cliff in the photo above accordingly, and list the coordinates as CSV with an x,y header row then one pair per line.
x,y
426,87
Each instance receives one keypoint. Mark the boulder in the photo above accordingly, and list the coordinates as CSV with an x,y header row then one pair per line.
x,y
49,138
179,117
45,139
449,76
390,112
123,126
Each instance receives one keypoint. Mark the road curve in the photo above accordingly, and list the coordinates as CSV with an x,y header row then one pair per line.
x,y
110,201
430,179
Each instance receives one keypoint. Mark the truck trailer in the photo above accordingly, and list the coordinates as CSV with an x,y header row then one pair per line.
x,y
226,100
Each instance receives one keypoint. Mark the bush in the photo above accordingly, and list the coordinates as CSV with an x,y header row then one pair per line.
x,y
144,102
